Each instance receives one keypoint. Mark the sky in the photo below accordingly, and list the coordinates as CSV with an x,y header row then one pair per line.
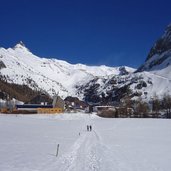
x,y
92,32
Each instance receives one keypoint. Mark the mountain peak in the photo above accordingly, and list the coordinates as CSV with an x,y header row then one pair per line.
x,y
21,46
21,43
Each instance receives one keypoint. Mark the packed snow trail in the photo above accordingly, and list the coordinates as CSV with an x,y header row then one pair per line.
x,y
83,154
90,153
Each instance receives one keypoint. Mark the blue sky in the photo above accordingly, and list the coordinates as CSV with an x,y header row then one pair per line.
x,y
93,32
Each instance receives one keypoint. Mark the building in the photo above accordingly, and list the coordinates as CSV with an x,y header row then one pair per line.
x,y
42,106
31,108
73,103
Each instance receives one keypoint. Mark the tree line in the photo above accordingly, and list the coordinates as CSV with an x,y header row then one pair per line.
x,y
154,108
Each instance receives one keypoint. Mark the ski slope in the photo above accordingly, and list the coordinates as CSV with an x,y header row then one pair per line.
x,y
29,143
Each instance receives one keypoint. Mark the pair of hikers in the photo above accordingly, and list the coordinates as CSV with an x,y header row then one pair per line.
x,y
89,128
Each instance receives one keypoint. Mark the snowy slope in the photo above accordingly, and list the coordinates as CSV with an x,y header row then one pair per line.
x,y
50,75
158,65
142,84
29,143
150,79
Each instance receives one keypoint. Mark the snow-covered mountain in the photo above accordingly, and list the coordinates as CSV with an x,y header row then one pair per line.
x,y
143,84
150,79
158,63
20,66
92,83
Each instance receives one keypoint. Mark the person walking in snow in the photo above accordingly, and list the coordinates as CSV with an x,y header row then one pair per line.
x,y
87,128
90,127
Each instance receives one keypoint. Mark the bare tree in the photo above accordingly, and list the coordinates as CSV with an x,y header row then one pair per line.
x,y
141,108
126,104
156,106
166,105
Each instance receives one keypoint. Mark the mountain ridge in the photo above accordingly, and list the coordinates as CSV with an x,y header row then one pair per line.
x,y
21,66
151,79
96,84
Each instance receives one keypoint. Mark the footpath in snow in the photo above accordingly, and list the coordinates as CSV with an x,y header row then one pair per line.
x,y
28,143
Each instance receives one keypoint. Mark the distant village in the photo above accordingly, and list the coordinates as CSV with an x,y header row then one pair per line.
x,y
42,104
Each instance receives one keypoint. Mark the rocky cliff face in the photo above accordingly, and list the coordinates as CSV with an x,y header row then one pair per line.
x,y
159,56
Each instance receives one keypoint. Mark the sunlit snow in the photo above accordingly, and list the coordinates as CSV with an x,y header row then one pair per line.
x,y
29,143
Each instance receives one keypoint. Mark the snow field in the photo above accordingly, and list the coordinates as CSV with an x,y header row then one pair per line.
x,y
28,143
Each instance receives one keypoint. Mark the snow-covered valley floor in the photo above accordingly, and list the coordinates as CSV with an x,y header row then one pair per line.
x,y
29,143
